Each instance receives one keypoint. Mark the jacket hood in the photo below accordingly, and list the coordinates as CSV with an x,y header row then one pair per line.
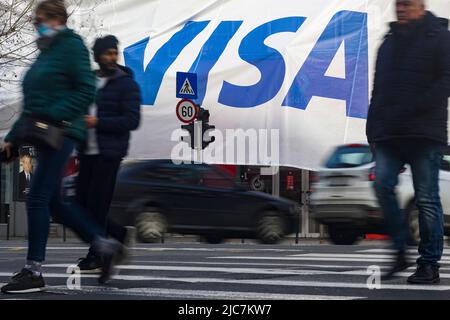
x,y
121,72
127,70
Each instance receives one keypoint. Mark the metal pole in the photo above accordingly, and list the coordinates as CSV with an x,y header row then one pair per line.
x,y
64,233
8,216
297,231
198,141
305,211
276,181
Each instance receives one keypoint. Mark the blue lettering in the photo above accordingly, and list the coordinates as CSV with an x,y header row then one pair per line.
x,y
150,80
210,54
348,27
345,28
269,62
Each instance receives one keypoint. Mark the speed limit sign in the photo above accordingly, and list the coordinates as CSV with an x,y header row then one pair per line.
x,y
186,111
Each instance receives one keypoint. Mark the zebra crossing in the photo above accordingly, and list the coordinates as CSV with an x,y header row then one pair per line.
x,y
244,272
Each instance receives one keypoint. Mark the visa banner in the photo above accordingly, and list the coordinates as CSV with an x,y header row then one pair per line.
x,y
289,79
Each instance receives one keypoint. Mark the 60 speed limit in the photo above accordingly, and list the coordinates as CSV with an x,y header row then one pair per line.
x,y
186,111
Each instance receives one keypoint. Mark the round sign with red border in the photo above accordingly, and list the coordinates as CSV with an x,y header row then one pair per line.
x,y
186,111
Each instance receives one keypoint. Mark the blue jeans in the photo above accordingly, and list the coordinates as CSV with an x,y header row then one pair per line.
x,y
45,199
424,157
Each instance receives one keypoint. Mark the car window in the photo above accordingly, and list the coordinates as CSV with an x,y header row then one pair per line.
x,y
350,156
213,179
169,173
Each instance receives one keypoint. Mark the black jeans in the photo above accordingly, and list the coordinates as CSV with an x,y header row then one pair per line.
x,y
95,188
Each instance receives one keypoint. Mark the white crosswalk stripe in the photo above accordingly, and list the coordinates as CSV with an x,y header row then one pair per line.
x,y
265,274
322,257
261,271
191,294
412,251
163,249
207,294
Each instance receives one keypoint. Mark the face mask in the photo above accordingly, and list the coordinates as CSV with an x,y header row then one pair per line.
x,y
46,31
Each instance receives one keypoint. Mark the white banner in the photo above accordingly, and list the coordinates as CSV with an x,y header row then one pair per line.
x,y
294,75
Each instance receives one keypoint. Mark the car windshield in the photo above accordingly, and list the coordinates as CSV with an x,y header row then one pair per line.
x,y
350,157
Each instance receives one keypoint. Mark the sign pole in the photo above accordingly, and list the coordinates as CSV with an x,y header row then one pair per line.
x,y
198,141
276,181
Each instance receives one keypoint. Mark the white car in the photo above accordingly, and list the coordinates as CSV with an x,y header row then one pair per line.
x,y
343,195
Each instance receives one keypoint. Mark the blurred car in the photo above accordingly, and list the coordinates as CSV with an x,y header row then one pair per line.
x,y
343,195
70,178
158,196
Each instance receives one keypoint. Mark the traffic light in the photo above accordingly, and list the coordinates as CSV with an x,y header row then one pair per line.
x,y
207,139
193,128
203,116
190,140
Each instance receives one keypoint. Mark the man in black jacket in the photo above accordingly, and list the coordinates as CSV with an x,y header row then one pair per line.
x,y
114,114
25,176
407,124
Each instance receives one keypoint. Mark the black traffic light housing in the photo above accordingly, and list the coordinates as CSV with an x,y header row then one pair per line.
x,y
189,128
203,116
208,139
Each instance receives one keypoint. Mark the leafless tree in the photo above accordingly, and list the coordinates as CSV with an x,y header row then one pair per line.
x,y
16,39
18,49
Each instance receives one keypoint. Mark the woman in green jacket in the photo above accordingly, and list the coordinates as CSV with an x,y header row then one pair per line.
x,y
59,86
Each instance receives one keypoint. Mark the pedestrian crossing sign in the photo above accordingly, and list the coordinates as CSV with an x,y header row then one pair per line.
x,y
186,85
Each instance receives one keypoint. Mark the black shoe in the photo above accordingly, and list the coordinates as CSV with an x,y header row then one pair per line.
x,y
425,274
90,264
108,252
401,263
24,282
127,243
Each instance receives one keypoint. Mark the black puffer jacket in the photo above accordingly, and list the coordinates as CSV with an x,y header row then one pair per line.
x,y
118,113
412,83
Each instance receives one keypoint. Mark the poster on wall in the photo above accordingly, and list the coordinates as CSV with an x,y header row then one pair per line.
x,y
24,172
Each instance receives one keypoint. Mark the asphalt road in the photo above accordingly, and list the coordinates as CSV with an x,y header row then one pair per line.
x,y
304,271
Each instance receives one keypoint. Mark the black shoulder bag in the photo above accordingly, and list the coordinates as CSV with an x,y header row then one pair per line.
x,y
39,131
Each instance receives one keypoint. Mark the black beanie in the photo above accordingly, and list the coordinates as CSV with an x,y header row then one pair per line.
x,y
103,44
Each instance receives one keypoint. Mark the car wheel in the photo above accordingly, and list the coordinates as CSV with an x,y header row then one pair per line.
x,y
270,228
151,225
342,235
213,239
413,224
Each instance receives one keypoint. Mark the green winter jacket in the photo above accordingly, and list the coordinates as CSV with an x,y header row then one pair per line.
x,y
59,85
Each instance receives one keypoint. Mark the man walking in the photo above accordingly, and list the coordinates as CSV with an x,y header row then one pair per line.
x,y
114,114
407,124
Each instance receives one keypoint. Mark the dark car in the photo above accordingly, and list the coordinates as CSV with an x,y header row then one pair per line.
x,y
158,196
